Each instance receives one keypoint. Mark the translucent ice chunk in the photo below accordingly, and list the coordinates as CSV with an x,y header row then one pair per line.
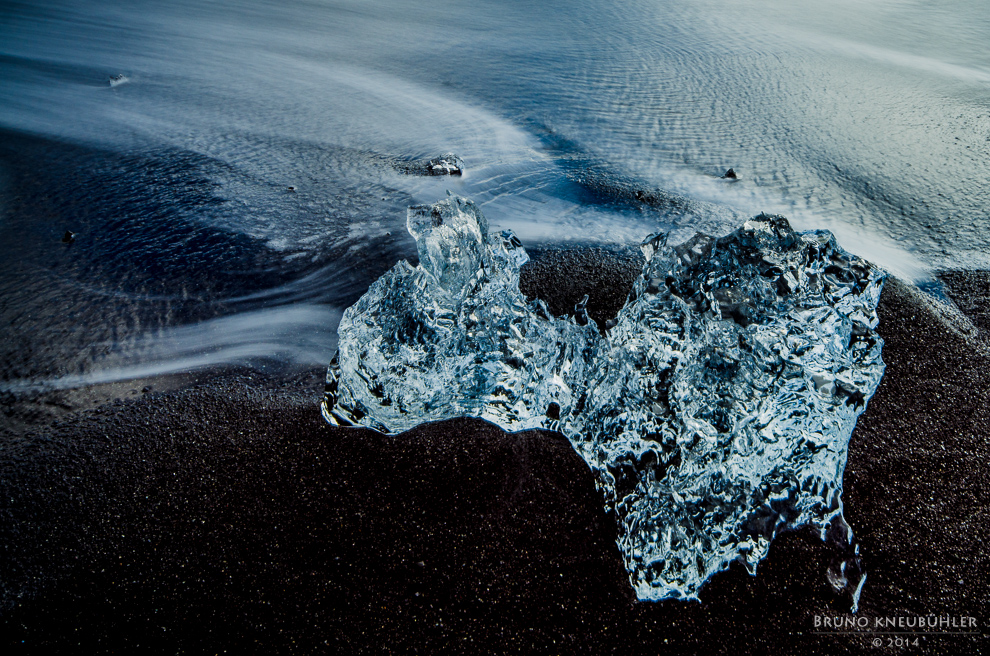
x,y
716,412
455,337
720,408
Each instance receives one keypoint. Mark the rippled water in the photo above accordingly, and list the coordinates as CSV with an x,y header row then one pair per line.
x,y
871,119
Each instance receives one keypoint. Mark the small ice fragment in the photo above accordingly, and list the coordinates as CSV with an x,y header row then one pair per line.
x,y
846,573
581,311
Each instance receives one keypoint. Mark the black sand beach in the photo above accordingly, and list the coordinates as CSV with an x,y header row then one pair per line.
x,y
226,517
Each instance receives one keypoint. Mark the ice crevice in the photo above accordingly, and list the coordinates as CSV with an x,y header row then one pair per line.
x,y
715,411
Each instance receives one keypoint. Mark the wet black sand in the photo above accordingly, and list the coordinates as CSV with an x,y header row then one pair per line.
x,y
226,517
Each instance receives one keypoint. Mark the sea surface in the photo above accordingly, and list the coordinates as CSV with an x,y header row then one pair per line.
x,y
166,136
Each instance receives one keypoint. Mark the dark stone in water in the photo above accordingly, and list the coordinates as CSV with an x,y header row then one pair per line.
x,y
730,175
68,237
446,164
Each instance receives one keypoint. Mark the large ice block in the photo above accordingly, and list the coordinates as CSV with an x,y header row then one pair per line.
x,y
715,412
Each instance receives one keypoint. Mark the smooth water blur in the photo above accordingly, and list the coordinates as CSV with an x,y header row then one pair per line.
x,y
578,122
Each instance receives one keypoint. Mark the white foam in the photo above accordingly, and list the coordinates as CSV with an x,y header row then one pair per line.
x,y
301,334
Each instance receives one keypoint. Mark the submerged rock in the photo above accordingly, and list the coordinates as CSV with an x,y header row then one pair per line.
x,y
715,413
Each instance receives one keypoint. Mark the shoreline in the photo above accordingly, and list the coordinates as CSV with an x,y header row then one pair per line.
x,y
227,515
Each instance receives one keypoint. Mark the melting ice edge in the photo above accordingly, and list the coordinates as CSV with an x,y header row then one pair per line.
x,y
715,412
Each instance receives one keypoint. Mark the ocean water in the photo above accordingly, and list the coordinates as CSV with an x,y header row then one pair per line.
x,y
579,123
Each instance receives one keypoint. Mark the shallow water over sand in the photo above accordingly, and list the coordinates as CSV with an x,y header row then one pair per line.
x,y
872,121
